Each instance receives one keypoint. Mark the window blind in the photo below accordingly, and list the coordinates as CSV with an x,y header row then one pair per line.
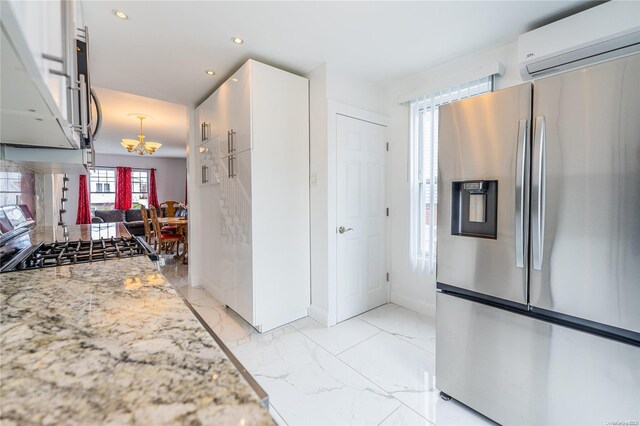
x,y
423,166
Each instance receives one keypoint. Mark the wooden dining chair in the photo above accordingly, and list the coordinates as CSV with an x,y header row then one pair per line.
x,y
148,233
163,238
170,207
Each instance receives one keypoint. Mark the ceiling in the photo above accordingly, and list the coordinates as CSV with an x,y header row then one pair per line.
x,y
167,123
164,48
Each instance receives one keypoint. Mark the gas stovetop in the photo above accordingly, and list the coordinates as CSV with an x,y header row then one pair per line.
x,y
45,255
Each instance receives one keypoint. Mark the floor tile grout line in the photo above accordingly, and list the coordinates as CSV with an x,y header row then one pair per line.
x,y
336,356
353,346
394,334
387,391
419,347
347,365
327,349
427,420
391,413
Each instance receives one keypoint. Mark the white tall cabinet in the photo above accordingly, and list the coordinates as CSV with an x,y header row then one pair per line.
x,y
259,122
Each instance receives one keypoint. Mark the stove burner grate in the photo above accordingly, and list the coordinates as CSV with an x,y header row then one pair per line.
x,y
74,252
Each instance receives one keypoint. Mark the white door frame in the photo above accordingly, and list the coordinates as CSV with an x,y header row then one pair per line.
x,y
337,108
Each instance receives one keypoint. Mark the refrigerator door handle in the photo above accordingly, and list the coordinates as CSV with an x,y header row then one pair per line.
x,y
521,167
538,202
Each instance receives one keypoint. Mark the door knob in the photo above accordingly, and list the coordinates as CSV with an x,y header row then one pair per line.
x,y
342,229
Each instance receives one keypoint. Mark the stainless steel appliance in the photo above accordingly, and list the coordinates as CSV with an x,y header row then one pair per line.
x,y
21,250
538,270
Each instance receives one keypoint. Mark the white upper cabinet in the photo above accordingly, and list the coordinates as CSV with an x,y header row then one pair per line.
x,y
39,40
240,96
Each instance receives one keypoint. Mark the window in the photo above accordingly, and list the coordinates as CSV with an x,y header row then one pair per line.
x,y
424,165
139,189
103,189
10,188
102,186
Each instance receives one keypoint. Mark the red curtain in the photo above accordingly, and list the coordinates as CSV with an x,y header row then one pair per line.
x,y
153,192
84,209
123,188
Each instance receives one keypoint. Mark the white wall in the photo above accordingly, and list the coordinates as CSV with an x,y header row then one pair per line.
x,y
332,91
416,289
171,178
318,114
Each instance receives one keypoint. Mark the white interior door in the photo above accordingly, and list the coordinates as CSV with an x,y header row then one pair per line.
x,y
361,245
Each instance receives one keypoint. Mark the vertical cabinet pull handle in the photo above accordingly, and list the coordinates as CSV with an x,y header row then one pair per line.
x,y
228,141
520,187
539,189
233,141
84,117
204,130
98,122
229,166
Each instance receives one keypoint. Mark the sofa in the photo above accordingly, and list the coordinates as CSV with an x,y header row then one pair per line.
x,y
131,218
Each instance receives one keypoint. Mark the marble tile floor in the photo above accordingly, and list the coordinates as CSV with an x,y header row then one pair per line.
x,y
375,369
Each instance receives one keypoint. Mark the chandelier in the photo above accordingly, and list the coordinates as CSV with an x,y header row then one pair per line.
x,y
140,146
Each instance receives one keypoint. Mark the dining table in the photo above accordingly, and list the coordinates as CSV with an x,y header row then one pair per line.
x,y
180,223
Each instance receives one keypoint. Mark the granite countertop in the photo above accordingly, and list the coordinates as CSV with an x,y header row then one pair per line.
x,y
94,231
112,343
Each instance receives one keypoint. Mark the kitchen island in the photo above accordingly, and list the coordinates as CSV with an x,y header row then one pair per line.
x,y
112,342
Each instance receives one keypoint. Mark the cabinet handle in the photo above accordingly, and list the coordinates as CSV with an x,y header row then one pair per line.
x,y
233,142
87,94
92,163
84,119
98,123
229,166
52,58
538,187
233,167
204,132
60,73
520,189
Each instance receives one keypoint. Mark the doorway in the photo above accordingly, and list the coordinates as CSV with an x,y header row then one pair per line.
x,y
361,217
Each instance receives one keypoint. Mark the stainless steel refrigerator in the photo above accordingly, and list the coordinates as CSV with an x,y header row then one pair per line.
x,y
538,244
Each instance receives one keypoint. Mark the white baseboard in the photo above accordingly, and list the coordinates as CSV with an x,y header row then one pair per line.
x,y
319,315
414,304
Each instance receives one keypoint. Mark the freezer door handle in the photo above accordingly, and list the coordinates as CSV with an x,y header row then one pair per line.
x,y
538,188
521,167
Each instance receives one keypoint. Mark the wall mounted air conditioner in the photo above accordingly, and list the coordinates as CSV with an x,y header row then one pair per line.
x,y
598,34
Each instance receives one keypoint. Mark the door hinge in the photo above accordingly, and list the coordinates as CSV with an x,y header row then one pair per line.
x,y
387,146
387,276
387,211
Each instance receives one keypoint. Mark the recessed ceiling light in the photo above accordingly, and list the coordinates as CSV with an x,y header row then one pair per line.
x,y
237,40
234,79
209,72
120,14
